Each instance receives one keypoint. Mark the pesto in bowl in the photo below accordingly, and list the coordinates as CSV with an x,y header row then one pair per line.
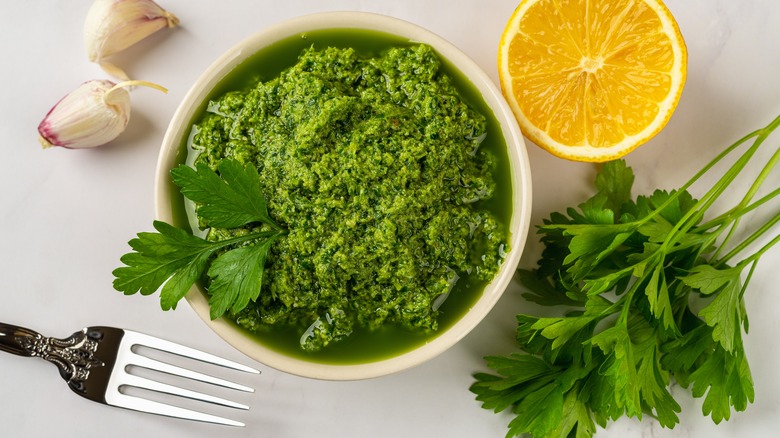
x,y
374,166
394,180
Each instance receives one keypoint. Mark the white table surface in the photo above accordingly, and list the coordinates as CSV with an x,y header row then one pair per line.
x,y
67,215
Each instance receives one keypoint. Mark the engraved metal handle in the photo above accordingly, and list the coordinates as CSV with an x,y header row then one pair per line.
x,y
12,339
74,355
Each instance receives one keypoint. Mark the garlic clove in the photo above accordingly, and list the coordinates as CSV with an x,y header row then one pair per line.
x,y
92,115
114,25
83,119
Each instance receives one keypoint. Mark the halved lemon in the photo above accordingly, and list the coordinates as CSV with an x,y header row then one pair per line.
x,y
590,80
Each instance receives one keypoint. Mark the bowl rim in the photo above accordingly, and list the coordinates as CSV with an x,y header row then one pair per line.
x,y
519,168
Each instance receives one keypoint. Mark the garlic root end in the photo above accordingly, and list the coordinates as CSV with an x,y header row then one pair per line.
x,y
44,143
172,20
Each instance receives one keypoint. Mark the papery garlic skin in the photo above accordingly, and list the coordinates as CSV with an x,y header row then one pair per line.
x,y
87,117
114,25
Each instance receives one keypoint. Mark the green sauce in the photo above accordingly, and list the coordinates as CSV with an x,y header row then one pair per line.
x,y
391,176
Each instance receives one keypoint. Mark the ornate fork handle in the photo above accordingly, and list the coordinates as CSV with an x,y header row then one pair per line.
x,y
11,336
74,355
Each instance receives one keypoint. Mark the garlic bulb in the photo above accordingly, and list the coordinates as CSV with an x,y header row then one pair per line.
x,y
114,25
91,115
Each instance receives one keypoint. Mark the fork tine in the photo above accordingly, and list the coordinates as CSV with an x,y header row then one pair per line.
x,y
138,404
180,350
152,385
147,362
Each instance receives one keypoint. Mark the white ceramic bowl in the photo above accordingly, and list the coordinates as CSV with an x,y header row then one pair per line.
x,y
521,188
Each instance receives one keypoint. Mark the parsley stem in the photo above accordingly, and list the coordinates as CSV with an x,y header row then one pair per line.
x,y
730,175
728,216
673,197
747,280
752,238
695,214
741,212
756,184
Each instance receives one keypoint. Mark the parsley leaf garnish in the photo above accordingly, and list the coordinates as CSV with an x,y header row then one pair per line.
x,y
230,199
631,273
174,259
237,277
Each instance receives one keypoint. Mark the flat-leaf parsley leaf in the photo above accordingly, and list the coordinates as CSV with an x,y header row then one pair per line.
x,y
175,258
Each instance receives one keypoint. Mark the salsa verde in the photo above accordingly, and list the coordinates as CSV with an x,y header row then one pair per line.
x,y
375,166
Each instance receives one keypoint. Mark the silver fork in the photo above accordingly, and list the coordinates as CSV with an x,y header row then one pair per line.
x,y
95,363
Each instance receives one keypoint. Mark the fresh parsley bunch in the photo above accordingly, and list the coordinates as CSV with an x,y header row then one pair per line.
x,y
633,273
174,259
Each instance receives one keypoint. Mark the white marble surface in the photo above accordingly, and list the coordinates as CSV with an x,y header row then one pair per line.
x,y
66,217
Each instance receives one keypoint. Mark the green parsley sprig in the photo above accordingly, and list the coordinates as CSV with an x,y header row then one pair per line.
x,y
174,259
633,273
